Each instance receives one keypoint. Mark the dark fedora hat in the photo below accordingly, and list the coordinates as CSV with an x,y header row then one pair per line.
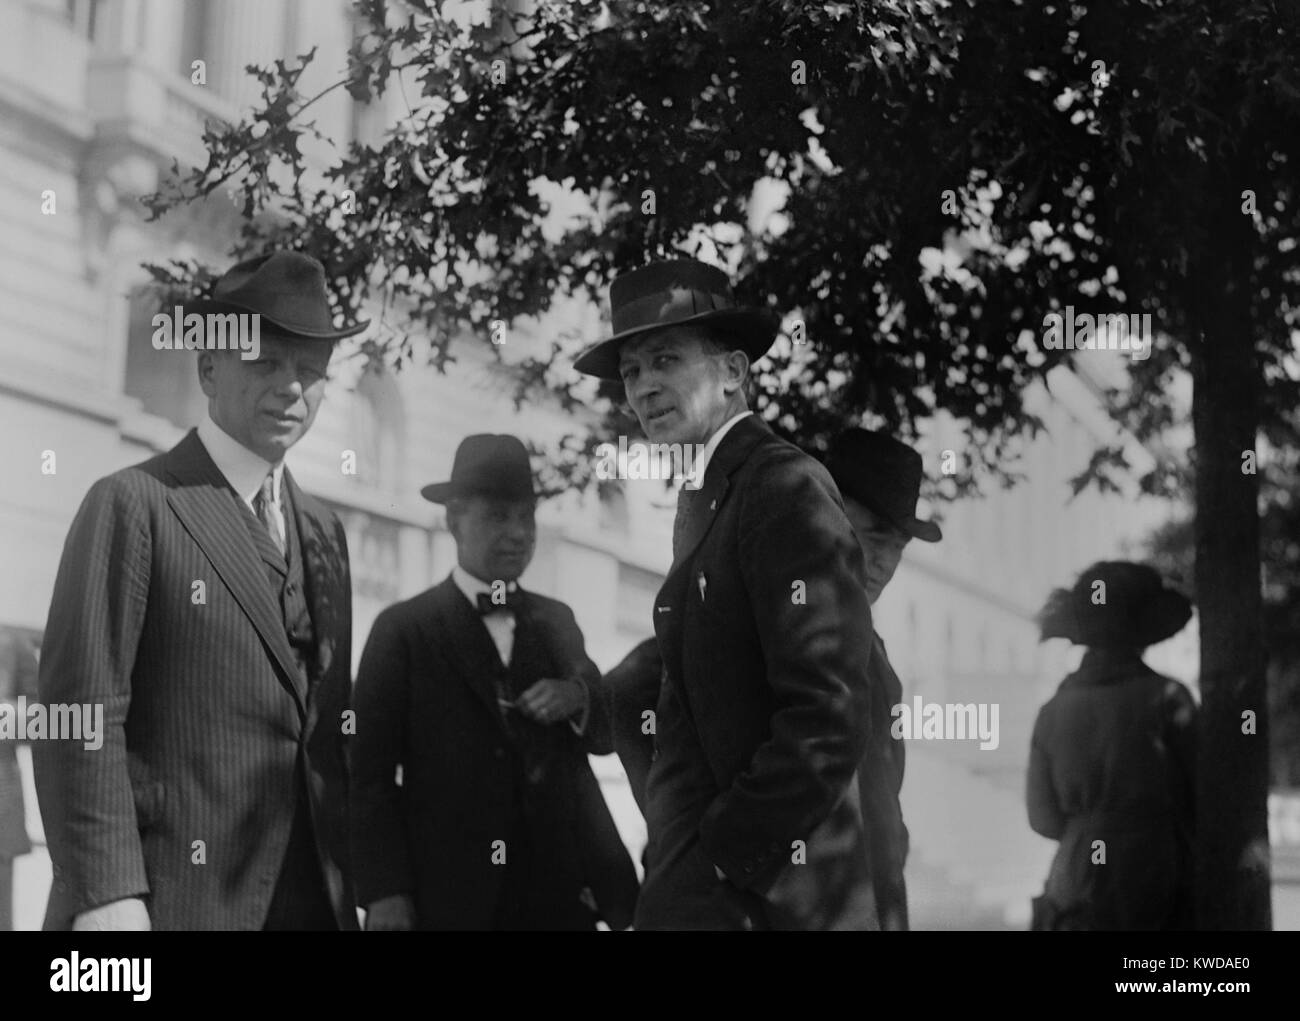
x,y
676,292
287,289
1139,608
486,465
883,475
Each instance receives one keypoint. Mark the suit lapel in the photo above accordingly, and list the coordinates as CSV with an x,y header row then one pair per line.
x,y
457,629
670,603
209,511
730,455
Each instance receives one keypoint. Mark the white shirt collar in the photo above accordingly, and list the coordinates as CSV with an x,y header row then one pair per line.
x,y
243,469
472,587
702,463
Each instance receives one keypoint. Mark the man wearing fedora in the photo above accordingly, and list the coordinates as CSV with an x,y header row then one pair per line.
x,y
880,480
203,599
474,804
763,624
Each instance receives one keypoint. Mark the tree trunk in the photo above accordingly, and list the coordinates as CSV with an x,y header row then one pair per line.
x,y
1232,868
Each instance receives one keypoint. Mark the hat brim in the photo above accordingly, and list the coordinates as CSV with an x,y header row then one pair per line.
x,y
926,531
207,306
441,492
755,331
1067,614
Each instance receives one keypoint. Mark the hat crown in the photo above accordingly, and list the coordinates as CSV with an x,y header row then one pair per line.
x,y
671,274
879,472
487,464
287,289
664,293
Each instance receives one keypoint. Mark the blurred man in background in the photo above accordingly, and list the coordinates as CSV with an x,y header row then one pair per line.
x,y
880,480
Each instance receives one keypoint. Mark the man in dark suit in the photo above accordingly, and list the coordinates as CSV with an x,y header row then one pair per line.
x,y
752,802
880,480
474,805
204,600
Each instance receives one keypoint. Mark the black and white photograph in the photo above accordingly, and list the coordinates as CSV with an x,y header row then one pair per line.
x,y
651,465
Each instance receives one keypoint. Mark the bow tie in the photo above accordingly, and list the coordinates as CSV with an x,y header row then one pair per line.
x,y
513,601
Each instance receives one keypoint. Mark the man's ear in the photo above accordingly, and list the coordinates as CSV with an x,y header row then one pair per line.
x,y
207,367
735,371
454,508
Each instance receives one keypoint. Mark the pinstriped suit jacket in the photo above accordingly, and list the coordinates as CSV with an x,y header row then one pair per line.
x,y
205,713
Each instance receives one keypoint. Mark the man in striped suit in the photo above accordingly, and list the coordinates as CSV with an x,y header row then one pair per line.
x,y
203,599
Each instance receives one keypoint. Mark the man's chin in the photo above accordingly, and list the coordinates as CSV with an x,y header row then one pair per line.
x,y
663,432
274,449
510,570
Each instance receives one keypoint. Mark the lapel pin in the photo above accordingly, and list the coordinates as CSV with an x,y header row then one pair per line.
x,y
703,583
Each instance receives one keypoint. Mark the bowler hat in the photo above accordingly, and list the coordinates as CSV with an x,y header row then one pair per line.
x,y
883,475
287,289
486,465
676,292
1115,603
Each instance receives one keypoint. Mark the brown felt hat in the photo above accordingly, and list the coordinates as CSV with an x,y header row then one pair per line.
x,y
287,289
676,292
884,475
486,465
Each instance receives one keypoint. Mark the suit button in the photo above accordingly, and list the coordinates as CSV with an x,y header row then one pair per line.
x,y
290,589
500,753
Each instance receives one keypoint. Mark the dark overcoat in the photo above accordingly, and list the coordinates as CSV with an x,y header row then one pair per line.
x,y
1111,777
763,717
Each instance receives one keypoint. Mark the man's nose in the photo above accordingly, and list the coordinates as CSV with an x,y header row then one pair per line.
x,y
288,384
647,385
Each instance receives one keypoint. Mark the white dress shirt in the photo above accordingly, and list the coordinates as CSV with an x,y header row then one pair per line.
x,y
501,626
696,478
243,469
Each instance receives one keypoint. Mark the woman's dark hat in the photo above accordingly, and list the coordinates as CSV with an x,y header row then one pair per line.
x,y
882,474
674,293
1139,608
287,289
486,465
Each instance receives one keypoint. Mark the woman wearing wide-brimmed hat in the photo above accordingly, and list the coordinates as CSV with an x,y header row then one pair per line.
x,y
1111,760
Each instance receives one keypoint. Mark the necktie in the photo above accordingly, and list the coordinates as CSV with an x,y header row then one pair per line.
x,y
681,520
263,504
486,605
